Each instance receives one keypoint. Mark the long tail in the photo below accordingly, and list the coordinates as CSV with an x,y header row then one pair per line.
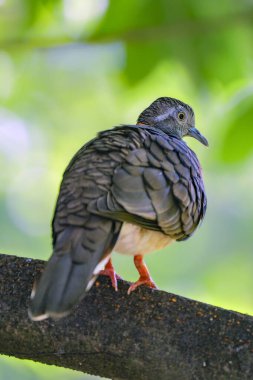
x,y
71,269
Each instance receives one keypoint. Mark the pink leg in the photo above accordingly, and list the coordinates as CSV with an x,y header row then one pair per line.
x,y
109,271
145,278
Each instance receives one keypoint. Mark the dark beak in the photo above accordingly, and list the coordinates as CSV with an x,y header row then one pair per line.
x,y
193,132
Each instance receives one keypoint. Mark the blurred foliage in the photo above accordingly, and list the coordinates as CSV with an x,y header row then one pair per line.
x,y
238,141
175,30
69,68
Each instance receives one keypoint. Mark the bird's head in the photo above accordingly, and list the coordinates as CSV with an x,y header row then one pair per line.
x,y
173,117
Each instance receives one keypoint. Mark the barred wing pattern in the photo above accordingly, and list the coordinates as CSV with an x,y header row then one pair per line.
x,y
158,185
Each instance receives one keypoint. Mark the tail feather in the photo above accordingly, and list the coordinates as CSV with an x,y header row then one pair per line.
x,y
69,271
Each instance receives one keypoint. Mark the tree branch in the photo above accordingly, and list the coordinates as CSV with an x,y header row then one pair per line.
x,y
174,31
148,335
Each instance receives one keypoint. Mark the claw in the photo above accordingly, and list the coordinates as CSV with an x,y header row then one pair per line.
x,y
110,272
145,278
142,281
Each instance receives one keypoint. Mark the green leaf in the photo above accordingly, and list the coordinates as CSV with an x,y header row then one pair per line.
x,y
212,42
141,59
33,9
238,142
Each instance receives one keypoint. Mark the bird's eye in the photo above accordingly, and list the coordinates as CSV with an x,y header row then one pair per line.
x,y
181,115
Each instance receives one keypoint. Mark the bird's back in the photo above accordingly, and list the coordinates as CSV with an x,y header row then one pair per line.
x,y
134,174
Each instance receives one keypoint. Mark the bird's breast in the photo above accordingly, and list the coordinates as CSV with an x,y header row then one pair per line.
x,y
134,240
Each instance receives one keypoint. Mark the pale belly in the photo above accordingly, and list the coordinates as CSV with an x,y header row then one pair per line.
x,y
134,240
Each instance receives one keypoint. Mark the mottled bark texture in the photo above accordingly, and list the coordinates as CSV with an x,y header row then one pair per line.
x,y
148,335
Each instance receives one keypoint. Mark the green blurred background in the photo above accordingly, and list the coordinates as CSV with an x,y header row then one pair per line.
x,y
70,68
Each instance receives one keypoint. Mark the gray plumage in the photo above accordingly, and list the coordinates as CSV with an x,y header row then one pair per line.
x,y
142,174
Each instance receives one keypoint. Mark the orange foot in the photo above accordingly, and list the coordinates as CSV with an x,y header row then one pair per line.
x,y
145,278
109,271
142,281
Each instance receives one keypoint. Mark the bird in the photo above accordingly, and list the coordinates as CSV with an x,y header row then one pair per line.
x,y
133,189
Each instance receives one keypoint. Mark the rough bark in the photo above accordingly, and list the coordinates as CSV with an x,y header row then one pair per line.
x,y
148,335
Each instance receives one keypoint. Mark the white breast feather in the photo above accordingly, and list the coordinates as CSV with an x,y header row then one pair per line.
x,y
134,240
